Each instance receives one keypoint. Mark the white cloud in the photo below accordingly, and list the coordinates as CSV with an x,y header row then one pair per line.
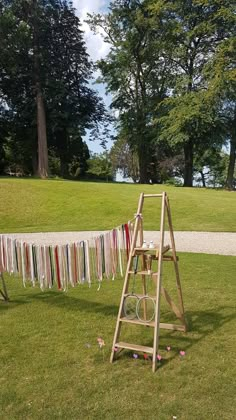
x,y
96,46
91,5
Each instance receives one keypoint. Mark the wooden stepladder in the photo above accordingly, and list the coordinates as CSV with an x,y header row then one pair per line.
x,y
3,292
158,254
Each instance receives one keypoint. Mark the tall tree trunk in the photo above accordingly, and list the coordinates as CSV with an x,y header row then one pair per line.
x,y
188,164
41,116
188,146
232,158
140,98
42,137
143,165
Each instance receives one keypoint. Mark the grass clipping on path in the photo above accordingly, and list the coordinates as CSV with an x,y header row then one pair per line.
x,y
52,366
47,205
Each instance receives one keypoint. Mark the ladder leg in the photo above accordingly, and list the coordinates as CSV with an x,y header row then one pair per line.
x,y
176,267
144,286
127,276
116,337
179,291
118,322
143,268
158,290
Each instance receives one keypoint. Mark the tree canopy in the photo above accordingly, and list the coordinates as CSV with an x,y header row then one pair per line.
x,y
170,71
158,73
44,82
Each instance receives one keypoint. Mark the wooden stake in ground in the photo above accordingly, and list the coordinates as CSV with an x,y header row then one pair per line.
x,y
157,253
4,291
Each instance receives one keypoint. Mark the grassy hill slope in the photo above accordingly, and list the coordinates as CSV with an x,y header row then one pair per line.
x,y
55,205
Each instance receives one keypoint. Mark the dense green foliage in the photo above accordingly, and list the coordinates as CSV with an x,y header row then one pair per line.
x,y
47,206
44,58
171,73
51,366
163,70
99,166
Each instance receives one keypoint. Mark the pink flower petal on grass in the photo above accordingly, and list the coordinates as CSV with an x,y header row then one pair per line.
x,y
168,348
100,342
182,353
159,357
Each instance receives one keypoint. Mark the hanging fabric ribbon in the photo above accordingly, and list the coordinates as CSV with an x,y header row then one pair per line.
x,y
69,264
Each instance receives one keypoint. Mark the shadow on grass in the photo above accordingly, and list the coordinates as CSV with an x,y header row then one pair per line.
x,y
201,323
63,301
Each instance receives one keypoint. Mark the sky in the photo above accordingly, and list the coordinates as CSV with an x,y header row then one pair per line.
x,y
96,48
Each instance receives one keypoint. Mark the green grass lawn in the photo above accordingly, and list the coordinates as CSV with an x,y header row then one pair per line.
x,y
36,205
51,366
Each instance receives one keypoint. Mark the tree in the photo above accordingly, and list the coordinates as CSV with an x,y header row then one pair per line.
x,y
72,105
34,16
195,29
124,160
79,160
231,178
191,123
100,167
16,95
156,72
223,89
45,63
21,65
135,72
211,165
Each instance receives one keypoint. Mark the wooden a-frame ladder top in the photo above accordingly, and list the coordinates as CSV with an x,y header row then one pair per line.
x,y
159,253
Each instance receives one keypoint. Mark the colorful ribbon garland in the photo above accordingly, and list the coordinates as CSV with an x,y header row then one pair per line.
x,y
67,265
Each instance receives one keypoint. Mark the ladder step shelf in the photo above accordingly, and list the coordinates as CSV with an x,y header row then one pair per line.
x,y
138,322
141,250
163,325
135,347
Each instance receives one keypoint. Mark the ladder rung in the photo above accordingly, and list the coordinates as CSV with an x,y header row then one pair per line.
x,y
152,195
144,273
144,250
170,258
137,321
140,248
136,347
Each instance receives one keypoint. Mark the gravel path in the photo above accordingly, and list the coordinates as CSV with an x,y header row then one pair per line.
x,y
222,243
